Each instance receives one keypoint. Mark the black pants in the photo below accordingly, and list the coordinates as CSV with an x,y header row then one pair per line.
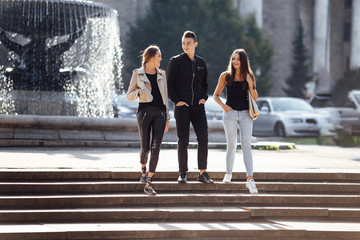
x,y
151,121
196,115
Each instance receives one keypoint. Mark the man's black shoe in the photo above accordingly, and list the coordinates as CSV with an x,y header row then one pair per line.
x,y
182,178
205,178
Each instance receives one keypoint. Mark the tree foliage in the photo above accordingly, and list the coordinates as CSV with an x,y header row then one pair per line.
x,y
300,68
218,27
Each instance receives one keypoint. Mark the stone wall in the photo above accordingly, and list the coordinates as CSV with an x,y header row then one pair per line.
x,y
64,131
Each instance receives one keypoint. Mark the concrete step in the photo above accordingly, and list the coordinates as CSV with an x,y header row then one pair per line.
x,y
166,214
72,204
31,188
262,229
133,200
170,214
103,175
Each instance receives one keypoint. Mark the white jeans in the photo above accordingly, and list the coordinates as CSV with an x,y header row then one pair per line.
x,y
234,120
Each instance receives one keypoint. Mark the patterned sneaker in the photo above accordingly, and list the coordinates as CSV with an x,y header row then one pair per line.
x,y
227,178
144,179
149,190
182,178
251,186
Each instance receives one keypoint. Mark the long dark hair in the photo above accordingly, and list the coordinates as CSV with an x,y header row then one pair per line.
x,y
245,69
149,53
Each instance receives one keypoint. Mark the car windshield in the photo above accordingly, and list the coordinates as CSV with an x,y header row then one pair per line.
x,y
291,105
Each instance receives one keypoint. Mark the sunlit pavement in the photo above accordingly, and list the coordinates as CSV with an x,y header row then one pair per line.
x,y
303,158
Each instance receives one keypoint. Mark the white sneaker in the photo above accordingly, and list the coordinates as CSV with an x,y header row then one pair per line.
x,y
227,178
251,186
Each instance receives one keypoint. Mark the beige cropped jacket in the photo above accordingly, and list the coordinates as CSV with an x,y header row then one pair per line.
x,y
140,87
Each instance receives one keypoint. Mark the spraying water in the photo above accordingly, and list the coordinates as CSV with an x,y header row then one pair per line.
x,y
63,57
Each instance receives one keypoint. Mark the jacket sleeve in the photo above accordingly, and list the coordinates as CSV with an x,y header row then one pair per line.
x,y
167,97
133,90
172,74
204,83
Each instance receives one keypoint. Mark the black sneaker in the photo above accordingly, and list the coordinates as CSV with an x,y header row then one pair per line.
x,y
144,179
182,178
205,178
149,190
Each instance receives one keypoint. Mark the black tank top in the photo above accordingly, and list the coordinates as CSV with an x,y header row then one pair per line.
x,y
237,97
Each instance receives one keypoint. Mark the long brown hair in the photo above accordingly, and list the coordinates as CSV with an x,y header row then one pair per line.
x,y
149,53
245,69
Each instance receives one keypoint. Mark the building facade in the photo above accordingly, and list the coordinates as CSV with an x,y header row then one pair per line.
x,y
331,34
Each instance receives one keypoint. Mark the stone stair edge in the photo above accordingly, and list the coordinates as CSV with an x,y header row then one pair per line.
x,y
96,175
164,230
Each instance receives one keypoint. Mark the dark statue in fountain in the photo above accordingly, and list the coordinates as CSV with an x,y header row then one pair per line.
x,y
63,58
38,66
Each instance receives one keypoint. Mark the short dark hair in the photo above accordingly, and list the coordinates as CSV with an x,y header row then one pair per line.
x,y
190,34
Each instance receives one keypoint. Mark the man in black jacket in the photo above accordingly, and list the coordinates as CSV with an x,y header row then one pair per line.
x,y
187,88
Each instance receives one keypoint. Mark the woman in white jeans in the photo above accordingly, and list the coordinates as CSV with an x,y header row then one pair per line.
x,y
238,79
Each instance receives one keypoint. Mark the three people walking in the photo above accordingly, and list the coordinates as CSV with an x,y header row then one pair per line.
x,y
186,83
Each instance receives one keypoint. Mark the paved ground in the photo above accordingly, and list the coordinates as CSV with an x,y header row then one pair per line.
x,y
303,158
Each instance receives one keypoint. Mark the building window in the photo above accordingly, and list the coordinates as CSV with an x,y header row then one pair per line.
x,y
347,31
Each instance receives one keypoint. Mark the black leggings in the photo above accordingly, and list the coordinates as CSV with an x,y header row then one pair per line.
x,y
151,120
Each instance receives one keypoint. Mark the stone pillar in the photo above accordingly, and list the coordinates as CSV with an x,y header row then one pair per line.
x,y
246,7
355,35
321,49
321,53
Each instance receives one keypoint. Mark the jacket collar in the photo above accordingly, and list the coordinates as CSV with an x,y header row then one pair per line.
x,y
159,74
187,57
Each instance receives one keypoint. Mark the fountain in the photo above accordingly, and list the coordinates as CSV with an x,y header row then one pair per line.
x,y
63,58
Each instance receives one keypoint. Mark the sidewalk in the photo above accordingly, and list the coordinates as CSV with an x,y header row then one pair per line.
x,y
304,158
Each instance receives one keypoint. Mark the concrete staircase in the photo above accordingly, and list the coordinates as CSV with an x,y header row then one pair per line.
x,y
70,204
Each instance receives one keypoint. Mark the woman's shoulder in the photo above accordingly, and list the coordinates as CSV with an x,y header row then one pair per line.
x,y
224,74
139,70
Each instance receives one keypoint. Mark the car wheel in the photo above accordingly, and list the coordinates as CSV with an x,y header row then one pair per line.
x,y
280,130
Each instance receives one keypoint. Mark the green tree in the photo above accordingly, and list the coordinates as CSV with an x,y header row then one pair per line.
x,y
300,68
219,30
260,52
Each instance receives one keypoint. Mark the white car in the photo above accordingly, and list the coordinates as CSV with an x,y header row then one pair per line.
x,y
213,110
285,117
124,108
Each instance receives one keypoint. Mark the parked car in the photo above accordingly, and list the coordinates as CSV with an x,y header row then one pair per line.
x,y
346,118
285,117
213,110
332,121
124,108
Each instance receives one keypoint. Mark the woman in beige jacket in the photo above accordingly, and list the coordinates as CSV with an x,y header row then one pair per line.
x,y
148,83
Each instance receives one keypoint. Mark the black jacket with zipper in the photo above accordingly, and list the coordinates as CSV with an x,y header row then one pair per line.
x,y
181,84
